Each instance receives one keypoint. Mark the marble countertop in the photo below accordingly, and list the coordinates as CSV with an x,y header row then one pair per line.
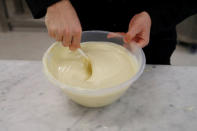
x,y
163,99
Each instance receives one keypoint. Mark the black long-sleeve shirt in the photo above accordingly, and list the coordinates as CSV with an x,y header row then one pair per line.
x,y
116,14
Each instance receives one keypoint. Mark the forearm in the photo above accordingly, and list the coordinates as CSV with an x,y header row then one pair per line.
x,y
39,7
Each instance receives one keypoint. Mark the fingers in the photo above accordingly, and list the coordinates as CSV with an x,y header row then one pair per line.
x,y
76,39
54,33
51,32
146,36
138,33
142,43
131,34
142,38
67,38
59,36
139,29
115,34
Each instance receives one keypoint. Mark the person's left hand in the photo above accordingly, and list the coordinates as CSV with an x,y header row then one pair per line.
x,y
138,32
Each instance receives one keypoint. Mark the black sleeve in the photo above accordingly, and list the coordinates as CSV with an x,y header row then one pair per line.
x,y
39,7
166,18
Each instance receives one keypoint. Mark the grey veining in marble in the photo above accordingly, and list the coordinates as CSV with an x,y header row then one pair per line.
x,y
163,99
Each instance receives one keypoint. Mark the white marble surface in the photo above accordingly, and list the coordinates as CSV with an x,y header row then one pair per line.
x,y
163,99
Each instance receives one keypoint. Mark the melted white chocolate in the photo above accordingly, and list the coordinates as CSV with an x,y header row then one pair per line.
x,y
110,64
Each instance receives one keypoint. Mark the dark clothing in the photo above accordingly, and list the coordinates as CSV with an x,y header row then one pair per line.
x,y
161,47
115,15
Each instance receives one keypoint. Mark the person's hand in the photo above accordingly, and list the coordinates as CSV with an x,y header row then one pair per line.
x,y
139,30
63,24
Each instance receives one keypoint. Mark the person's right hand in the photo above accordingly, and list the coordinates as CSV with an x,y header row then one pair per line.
x,y
63,24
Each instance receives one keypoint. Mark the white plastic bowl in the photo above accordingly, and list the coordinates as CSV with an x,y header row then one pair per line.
x,y
97,97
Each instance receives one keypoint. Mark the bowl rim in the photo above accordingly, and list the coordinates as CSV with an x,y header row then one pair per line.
x,y
98,91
